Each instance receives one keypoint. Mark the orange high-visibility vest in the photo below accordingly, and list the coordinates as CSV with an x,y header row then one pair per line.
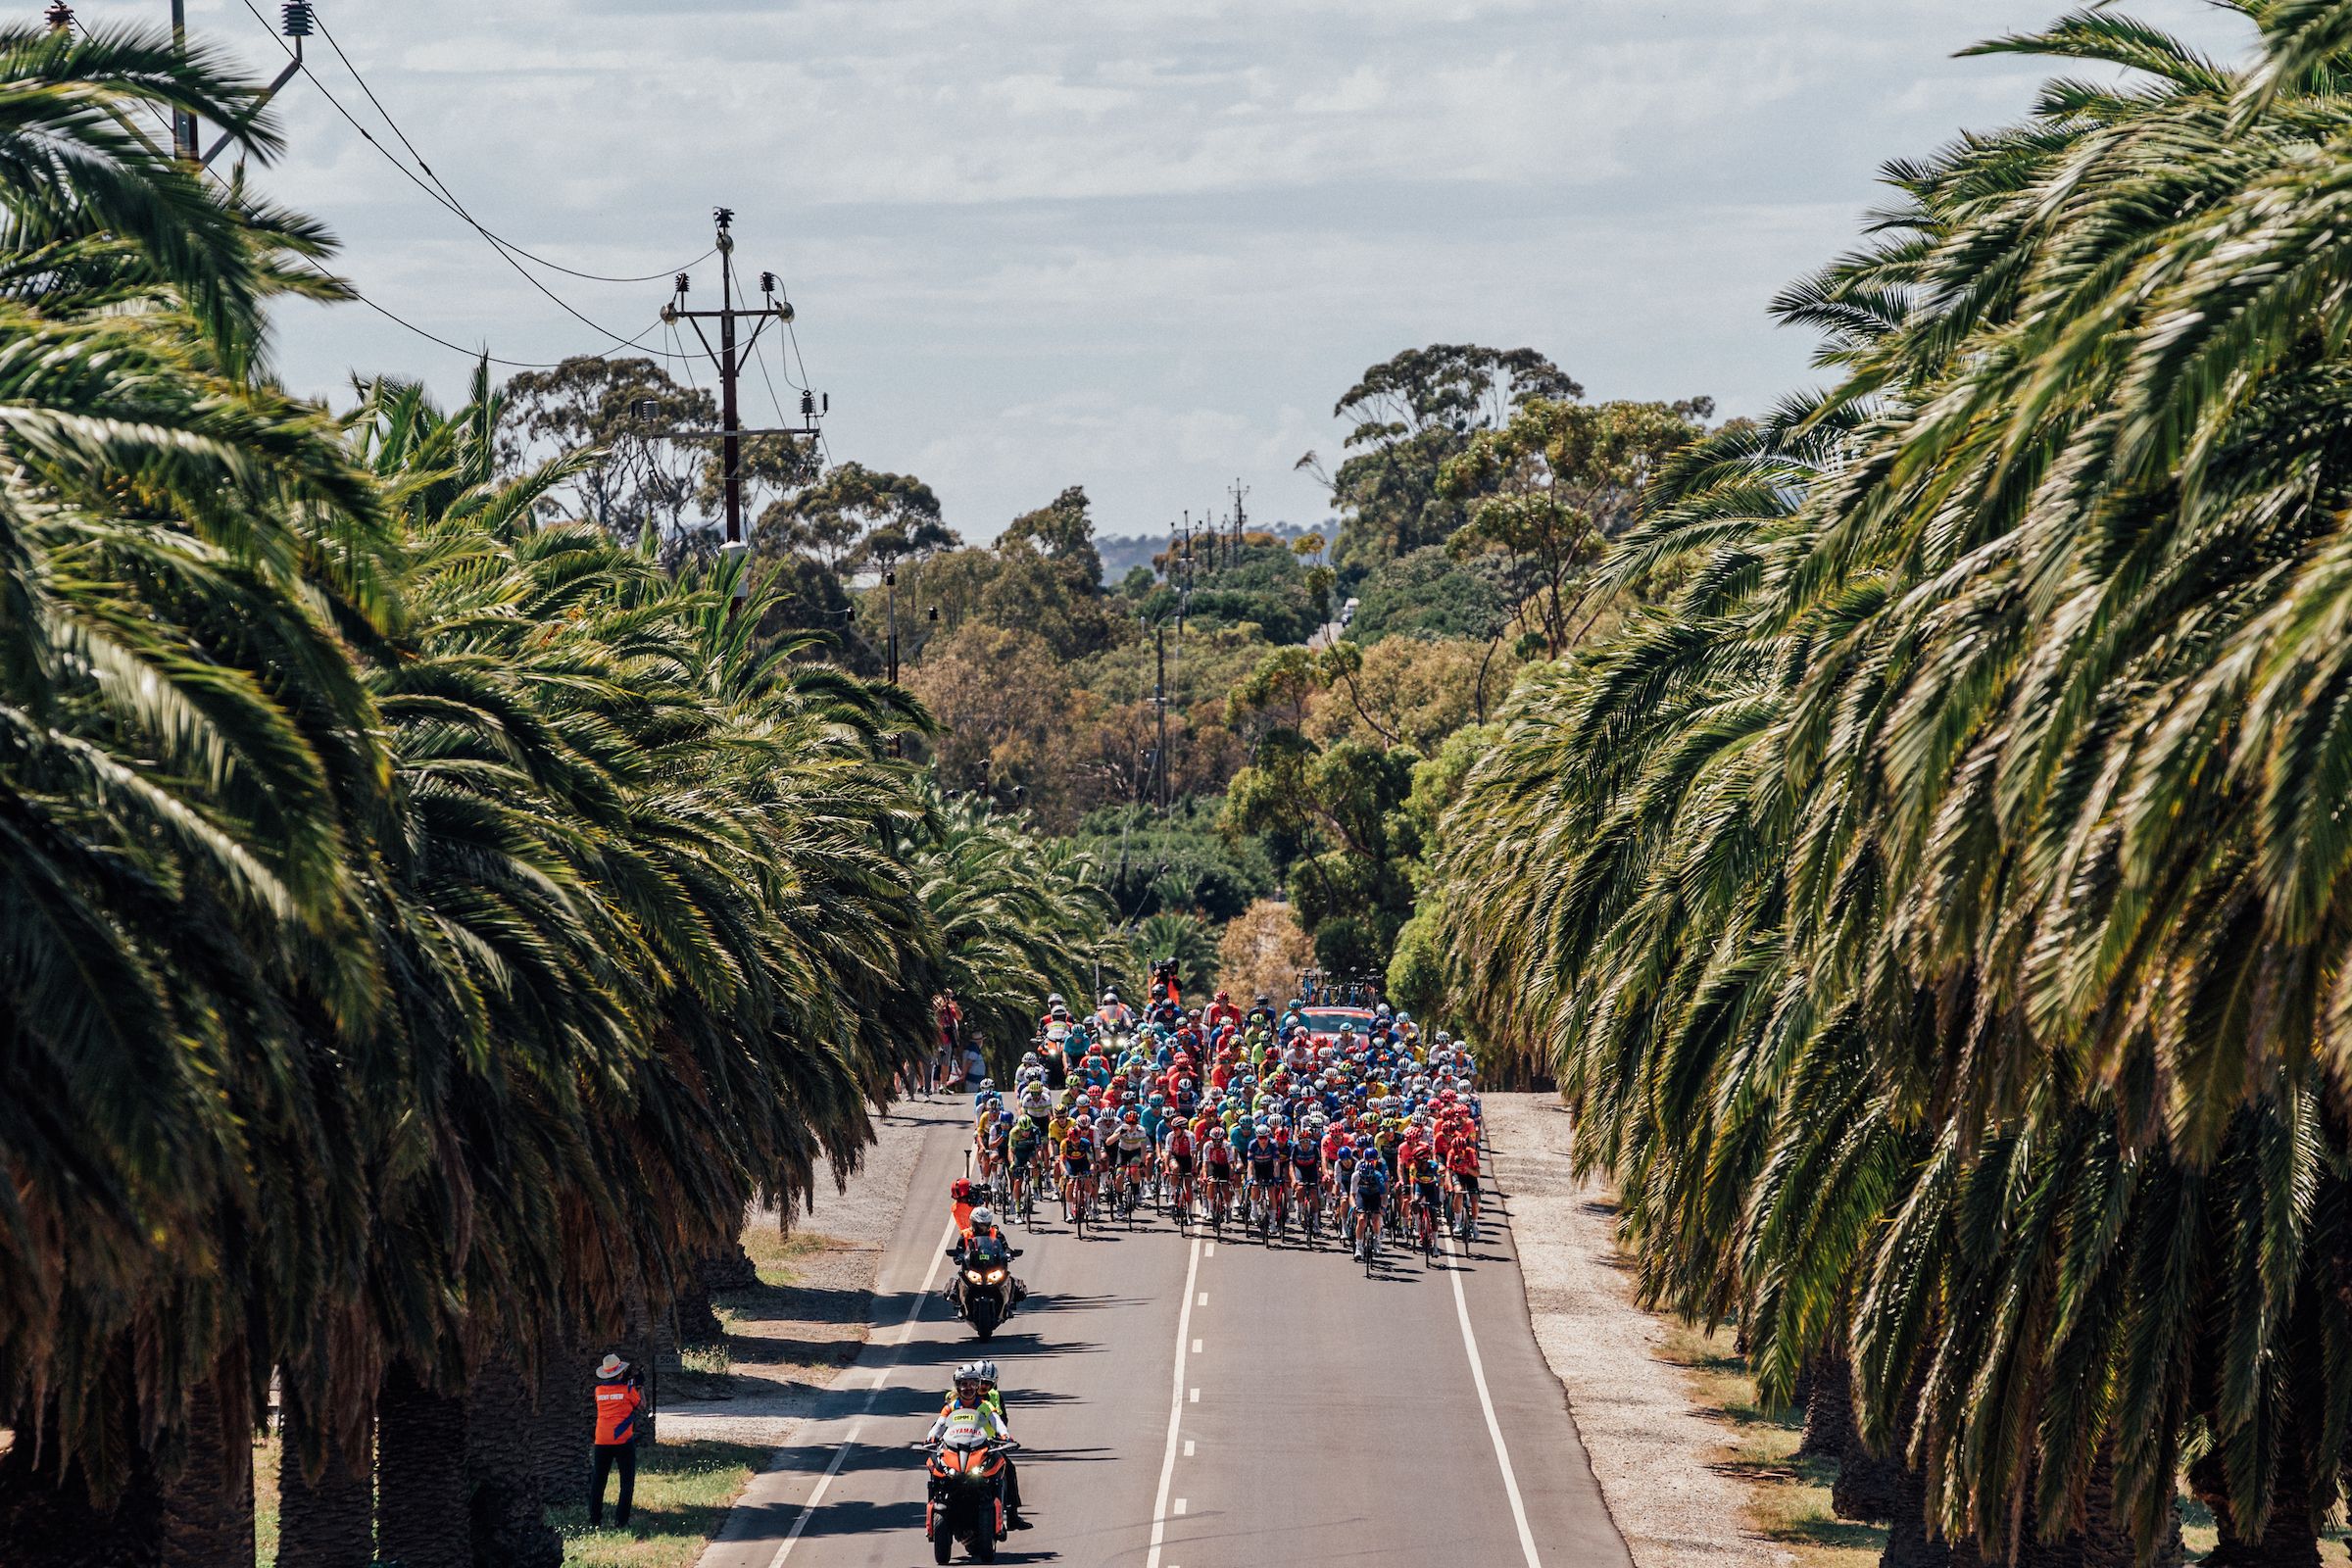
x,y
617,1407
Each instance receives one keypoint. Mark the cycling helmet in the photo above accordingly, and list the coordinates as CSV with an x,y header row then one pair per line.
x,y
984,1218
1132,1118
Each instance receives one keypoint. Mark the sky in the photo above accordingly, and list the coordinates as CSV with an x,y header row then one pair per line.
x,y
1142,246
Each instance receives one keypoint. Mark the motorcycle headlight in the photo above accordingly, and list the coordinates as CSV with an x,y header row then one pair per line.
x,y
972,1274
995,1275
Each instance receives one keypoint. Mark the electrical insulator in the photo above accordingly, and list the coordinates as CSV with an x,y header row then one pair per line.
x,y
807,405
767,282
299,16
681,280
60,17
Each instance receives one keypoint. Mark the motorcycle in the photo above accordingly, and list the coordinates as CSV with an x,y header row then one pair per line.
x,y
965,1501
986,1291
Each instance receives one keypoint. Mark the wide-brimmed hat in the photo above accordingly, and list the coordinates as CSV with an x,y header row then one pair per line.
x,y
612,1366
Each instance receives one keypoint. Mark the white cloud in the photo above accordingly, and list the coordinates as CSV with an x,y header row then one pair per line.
x,y
1128,244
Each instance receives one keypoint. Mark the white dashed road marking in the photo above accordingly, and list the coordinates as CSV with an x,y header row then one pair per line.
x,y
1176,1401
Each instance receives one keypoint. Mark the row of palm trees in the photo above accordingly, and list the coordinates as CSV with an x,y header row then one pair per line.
x,y
1935,906
425,931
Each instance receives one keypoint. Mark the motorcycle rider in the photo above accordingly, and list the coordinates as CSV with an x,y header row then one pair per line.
x,y
975,1390
981,1247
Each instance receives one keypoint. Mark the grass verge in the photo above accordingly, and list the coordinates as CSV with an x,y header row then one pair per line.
x,y
1788,1499
684,1491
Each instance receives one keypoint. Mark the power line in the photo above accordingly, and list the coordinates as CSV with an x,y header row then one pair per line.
x,y
458,207
636,343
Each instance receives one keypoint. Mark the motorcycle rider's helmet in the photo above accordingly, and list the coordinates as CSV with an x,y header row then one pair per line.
x,y
961,1190
984,1218
988,1372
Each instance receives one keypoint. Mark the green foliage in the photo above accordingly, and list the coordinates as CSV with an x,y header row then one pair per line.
x,y
1409,415
1937,901
1547,488
852,517
1427,592
1182,862
1334,816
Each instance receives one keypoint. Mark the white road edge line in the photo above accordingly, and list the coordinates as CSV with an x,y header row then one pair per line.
x,y
1167,1458
1485,1403
849,1439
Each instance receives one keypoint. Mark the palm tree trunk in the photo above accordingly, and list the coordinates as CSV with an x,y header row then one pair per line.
x,y
508,1508
1908,1542
208,1504
1866,1485
421,1514
2288,1538
564,1425
48,1516
326,1521
1829,1401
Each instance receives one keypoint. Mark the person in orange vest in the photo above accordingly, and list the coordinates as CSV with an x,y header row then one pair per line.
x,y
618,1399
962,1195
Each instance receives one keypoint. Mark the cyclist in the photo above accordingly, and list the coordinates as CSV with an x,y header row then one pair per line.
x,y
1421,1165
1307,1167
1461,1163
1078,1166
1020,1158
1368,1192
1216,1167
1265,1158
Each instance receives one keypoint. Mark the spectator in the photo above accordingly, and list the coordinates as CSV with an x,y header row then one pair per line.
x,y
618,1399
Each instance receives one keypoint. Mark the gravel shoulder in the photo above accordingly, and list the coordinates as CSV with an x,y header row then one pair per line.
x,y
1657,1454
789,1338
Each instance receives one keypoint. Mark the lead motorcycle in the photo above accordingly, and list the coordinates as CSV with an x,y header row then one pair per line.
x,y
984,1292
965,1501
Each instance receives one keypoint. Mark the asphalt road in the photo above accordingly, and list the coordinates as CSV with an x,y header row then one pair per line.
x,y
1187,1402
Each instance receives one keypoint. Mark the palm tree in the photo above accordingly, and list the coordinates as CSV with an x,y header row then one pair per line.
x,y
1945,902
182,551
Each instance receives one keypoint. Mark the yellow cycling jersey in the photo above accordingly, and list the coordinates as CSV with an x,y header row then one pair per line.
x,y
1057,1130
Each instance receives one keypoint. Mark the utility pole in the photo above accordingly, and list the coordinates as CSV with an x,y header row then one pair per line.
x,y
729,356
730,448
1159,641
183,123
